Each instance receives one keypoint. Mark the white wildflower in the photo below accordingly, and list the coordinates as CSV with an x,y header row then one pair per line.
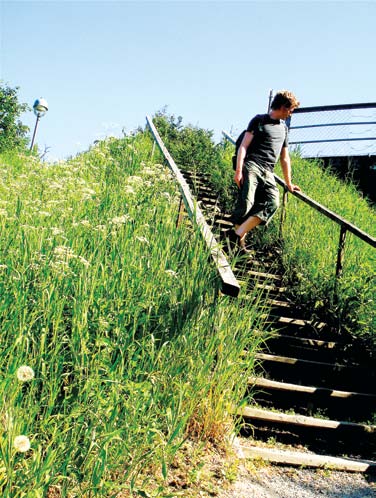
x,y
120,220
59,265
84,261
54,202
103,324
22,443
56,185
129,190
144,240
44,213
84,223
88,192
3,212
25,373
63,252
135,179
149,171
56,231
172,273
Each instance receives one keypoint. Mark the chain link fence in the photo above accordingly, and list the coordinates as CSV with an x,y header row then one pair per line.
x,y
334,131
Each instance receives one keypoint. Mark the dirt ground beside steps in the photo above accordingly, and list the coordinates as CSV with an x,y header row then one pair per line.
x,y
288,482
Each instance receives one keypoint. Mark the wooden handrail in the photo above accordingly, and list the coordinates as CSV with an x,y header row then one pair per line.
x,y
344,224
230,285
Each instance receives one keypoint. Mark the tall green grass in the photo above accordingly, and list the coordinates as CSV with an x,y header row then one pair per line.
x,y
310,251
117,313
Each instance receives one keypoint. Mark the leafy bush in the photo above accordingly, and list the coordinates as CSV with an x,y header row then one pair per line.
x,y
192,148
12,131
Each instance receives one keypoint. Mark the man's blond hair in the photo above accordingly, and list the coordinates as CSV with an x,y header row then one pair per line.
x,y
284,98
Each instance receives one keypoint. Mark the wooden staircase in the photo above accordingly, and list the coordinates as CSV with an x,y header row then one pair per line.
x,y
314,389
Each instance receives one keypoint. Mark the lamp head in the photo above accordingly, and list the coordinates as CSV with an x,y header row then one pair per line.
x,y
40,107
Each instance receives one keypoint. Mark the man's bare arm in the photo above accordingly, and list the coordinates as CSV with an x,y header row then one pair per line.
x,y
248,137
286,169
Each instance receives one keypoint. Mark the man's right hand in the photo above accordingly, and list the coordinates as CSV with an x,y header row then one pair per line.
x,y
238,178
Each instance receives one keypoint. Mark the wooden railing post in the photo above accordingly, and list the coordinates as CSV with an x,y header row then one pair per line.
x,y
180,212
341,251
283,211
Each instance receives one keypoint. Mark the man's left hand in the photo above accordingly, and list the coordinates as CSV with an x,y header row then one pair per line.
x,y
294,188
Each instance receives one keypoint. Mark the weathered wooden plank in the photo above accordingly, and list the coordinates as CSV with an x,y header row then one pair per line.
x,y
268,276
293,361
230,285
304,459
272,288
285,386
305,341
300,322
302,420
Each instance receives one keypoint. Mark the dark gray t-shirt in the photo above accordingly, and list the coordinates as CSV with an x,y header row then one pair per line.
x,y
270,135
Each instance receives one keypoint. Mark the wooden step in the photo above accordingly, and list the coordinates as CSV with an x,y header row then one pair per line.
x,y
320,435
263,275
306,341
302,420
206,197
308,400
222,222
325,374
306,348
305,459
271,288
298,388
288,322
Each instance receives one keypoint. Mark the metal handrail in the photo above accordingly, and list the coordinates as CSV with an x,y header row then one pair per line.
x,y
230,285
345,225
340,107
331,108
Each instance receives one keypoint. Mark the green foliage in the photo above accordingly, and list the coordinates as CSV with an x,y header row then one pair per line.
x,y
12,131
310,251
118,314
190,146
193,148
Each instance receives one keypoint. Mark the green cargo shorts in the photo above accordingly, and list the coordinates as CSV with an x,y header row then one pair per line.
x,y
258,195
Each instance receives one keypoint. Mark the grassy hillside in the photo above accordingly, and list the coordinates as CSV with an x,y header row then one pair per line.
x,y
310,251
115,344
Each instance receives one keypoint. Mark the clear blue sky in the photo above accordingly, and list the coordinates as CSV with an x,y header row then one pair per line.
x,y
103,65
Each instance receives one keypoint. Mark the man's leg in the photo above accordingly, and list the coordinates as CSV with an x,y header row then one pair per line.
x,y
242,230
246,195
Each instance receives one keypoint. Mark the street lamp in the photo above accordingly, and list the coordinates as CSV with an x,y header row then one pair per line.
x,y
40,108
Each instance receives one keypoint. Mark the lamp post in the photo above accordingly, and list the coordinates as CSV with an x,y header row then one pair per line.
x,y
40,108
